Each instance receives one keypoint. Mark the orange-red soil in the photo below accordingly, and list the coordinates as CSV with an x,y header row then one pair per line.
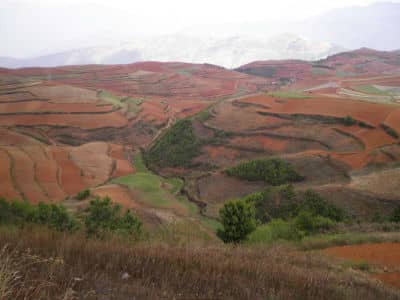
x,y
384,255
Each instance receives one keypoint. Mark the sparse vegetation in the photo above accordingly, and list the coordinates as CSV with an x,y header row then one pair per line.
x,y
273,171
104,217
390,131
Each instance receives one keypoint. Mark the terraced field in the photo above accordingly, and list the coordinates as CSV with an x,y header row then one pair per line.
x,y
66,129
41,173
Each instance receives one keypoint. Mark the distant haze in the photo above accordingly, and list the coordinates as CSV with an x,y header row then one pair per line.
x,y
49,32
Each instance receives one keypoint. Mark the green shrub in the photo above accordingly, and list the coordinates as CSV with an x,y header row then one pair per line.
x,y
317,205
82,195
390,131
379,218
285,230
176,148
273,171
103,217
238,220
273,202
308,222
21,213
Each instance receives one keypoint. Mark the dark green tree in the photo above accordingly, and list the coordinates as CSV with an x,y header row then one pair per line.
x,y
238,220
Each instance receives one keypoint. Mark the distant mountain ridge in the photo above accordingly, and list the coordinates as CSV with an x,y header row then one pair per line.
x,y
229,52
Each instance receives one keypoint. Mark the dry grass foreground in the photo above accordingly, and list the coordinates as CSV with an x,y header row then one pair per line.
x,y
38,264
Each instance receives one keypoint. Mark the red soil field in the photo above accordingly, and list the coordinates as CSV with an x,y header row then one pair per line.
x,y
46,171
393,121
41,106
371,138
385,254
264,142
185,108
70,175
220,152
118,194
84,121
362,159
18,96
231,118
7,189
370,113
153,111
24,174
64,93
9,137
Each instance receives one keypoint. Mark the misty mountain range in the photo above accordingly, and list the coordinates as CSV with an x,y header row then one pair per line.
x,y
231,45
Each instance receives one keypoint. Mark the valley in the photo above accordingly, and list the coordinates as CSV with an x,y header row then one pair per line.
x,y
160,138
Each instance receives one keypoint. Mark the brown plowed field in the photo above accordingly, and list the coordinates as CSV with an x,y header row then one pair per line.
x,y
17,96
41,106
370,113
24,174
371,138
385,183
93,160
84,121
235,119
7,188
65,94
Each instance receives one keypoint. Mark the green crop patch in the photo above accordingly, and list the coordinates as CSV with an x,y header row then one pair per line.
x,y
176,148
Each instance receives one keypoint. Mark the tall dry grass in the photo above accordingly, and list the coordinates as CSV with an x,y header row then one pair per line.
x,y
50,265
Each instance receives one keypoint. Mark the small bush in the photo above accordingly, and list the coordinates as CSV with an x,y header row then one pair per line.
x,y
104,217
272,171
82,195
238,220
310,223
395,215
349,121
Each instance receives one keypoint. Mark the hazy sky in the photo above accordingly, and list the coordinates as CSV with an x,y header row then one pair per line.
x,y
33,27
